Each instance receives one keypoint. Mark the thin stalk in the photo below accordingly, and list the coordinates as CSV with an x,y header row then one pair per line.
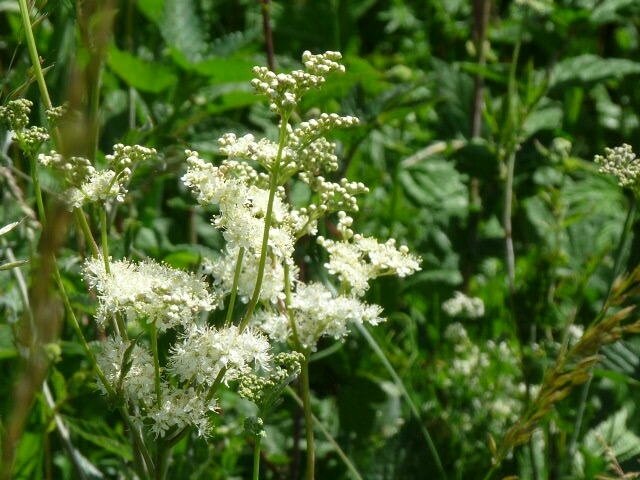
x,y
104,239
308,419
481,9
405,393
216,383
36,188
273,185
287,300
327,435
234,288
85,345
156,362
508,232
162,461
256,458
118,323
81,220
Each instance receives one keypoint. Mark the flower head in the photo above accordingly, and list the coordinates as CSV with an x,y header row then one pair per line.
x,y
148,291
622,163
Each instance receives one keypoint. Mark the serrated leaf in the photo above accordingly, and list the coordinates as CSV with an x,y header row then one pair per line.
x,y
140,74
183,30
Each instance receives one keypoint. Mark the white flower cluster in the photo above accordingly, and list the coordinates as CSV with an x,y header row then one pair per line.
x,y
148,292
357,259
284,90
15,114
133,376
482,384
622,163
316,312
88,184
222,272
204,352
464,306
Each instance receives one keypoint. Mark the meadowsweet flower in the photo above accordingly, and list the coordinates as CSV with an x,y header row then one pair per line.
x,y
148,291
464,306
88,184
223,268
15,114
284,90
205,351
242,206
180,408
623,164
135,379
481,400
316,313
263,387
358,259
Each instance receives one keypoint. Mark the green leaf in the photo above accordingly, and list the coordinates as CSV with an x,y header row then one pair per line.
x,y
592,68
547,118
99,433
7,228
222,70
152,9
10,265
183,30
140,74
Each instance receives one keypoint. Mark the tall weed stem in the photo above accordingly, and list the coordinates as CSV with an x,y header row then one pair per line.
x,y
308,419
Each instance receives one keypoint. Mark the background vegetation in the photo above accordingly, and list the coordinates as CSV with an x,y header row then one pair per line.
x,y
479,124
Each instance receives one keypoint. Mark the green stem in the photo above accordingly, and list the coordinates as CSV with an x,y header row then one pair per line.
x,y
35,62
156,362
491,472
256,458
81,220
104,239
118,323
273,186
327,435
234,288
162,461
287,301
308,419
216,383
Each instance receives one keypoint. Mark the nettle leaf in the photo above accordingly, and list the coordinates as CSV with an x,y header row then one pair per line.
x,y
592,68
140,74
616,435
608,10
182,29
436,185
546,118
